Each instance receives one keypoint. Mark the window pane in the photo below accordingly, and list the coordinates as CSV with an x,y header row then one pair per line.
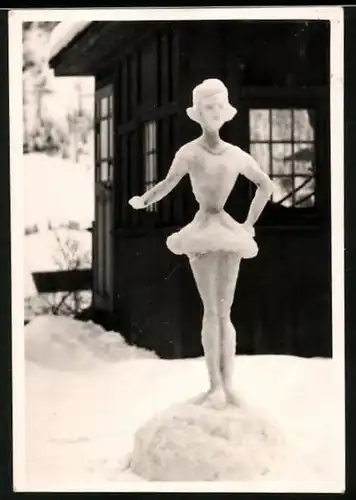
x,y
303,130
260,152
97,109
282,158
150,174
145,139
104,138
281,124
148,170
104,171
150,136
150,151
154,168
151,169
304,158
152,208
304,191
111,138
111,107
153,136
97,145
307,202
147,136
104,106
283,189
259,125
111,172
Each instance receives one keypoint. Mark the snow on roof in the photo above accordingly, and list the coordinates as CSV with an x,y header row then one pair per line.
x,y
63,34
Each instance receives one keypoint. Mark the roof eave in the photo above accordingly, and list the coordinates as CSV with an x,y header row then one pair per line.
x,y
63,34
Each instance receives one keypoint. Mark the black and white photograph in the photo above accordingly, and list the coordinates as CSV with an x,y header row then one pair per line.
x,y
177,227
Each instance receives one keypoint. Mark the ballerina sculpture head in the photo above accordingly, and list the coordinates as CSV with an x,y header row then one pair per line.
x,y
211,107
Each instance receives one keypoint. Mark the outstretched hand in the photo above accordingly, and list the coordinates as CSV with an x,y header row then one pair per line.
x,y
137,202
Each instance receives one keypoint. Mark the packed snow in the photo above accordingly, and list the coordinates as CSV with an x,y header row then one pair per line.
x,y
88,393
197,442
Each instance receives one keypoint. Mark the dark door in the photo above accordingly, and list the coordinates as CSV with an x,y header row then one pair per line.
x,y
104,177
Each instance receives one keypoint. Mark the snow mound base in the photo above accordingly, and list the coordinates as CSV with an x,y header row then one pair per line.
x,y
191,442
63,343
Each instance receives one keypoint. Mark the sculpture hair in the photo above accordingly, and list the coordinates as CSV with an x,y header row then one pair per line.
x,y
209,88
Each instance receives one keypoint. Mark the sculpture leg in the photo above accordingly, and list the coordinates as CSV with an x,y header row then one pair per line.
x,y
205,272
228,270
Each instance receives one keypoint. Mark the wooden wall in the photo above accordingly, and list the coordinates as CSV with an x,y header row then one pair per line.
x,y
148,305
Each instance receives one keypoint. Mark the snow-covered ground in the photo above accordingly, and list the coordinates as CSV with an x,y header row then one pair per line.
x,y
87,393
68,197
58,190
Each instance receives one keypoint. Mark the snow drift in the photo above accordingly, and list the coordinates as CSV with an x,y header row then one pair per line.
x,y
63,343
88,394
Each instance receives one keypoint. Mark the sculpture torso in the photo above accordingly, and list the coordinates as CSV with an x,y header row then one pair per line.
x,y
212,175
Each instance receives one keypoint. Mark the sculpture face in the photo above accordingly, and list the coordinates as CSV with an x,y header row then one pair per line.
x,y
212,112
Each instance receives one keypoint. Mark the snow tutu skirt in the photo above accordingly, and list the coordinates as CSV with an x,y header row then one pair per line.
x,y
213,232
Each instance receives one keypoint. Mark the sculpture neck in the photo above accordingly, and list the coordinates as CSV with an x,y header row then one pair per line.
x,y
211,138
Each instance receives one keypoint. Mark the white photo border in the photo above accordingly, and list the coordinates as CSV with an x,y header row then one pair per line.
x,y
16,17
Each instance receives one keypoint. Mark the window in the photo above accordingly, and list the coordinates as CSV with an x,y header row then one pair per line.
x,y
150,158
104,138
282,142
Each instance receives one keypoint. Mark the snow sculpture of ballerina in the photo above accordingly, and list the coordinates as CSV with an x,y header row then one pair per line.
x,y
214,242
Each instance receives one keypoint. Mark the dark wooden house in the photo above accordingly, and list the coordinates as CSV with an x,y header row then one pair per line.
x,y
278,76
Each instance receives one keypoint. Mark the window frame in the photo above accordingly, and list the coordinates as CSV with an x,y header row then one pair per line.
x,y
150,158
312,98
271,141
107,92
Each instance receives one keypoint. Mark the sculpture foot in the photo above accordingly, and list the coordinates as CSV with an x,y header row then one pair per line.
x,y
216,399
200,399
233,398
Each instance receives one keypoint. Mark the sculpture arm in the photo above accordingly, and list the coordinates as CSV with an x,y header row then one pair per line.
x,y
264,190
178,169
